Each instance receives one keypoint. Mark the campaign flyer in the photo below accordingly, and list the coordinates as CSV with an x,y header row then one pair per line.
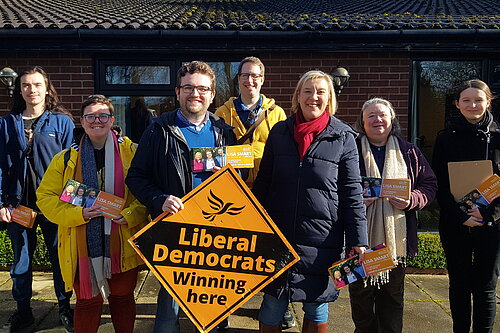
x,y
82,195
24,216
206,158
350,270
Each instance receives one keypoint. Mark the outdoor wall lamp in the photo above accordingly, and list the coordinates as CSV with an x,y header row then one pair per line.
x,y
7,78
340,77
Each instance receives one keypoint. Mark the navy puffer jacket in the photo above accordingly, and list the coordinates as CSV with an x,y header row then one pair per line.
x,y
313,202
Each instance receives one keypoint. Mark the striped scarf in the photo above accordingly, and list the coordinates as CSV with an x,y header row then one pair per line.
x,y
98,241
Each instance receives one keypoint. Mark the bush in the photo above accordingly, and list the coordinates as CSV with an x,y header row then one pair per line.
x,y
430,252
40,258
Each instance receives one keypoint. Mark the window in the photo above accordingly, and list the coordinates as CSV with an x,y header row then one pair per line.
x,y
144,89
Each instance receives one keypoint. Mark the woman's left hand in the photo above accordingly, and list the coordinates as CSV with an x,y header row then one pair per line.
x,y
119,219
361,251
399,203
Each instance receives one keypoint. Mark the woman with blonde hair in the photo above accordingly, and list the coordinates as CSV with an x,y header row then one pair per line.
x,y
310,185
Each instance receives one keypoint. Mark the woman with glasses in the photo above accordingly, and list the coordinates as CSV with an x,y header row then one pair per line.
x,y
96,259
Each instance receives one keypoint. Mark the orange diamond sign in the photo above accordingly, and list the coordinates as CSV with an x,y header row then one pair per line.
x,y
216,253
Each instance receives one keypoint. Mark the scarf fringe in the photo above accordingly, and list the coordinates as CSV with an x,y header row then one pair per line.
x,y
379,279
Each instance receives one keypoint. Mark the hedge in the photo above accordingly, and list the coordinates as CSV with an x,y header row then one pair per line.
x,y
430,252
6,256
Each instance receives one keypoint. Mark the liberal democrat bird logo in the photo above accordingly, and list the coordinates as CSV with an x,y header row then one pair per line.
x,y
220,207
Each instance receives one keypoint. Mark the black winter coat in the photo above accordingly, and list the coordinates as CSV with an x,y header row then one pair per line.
x,y
313,202
161,165
464,142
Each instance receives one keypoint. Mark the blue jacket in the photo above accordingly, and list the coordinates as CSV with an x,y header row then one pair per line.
x,y
314,202
53,133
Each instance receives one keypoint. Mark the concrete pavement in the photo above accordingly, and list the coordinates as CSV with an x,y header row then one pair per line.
x,y
426,307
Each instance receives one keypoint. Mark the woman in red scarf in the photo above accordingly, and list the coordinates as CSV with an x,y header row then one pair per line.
x,y
95,257
310,185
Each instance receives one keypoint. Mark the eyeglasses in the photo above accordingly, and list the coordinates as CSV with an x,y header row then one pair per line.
x,y
188,89
103,118
246,76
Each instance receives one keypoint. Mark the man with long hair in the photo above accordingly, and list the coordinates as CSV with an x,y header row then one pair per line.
x,y
37,128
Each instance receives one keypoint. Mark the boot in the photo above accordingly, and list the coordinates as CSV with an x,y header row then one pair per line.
x,y
313,327
269,329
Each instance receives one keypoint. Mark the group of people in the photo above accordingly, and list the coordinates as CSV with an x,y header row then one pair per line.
x,y
81,198
205,160
307,175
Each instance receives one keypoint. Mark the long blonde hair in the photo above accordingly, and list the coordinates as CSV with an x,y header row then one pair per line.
x,y
314,75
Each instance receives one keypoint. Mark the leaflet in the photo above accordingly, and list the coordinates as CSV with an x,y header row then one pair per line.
x,y
206,158
82,195
377,259
483,195
23,215
378,187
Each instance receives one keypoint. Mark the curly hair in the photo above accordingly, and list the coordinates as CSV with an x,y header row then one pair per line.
x,y
196,67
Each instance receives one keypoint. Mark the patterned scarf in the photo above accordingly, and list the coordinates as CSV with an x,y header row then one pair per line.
x,y
98,241
386,224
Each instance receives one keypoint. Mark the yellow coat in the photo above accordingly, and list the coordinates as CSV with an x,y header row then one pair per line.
x,y
228,112
68,217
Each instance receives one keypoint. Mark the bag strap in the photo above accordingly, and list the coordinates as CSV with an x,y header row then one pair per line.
x,y
252,128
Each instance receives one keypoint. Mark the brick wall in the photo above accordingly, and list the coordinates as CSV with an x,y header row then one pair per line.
x,y
374,74
71,74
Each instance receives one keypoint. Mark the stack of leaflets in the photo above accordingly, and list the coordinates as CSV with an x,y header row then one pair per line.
x,y
82,195
378,187
206,158
483,195
377,259
23,215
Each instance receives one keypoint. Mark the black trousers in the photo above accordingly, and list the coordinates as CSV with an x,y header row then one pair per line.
x,y
472,256
379,310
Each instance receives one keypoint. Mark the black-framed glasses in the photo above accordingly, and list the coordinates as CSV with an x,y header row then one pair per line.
x,y
246,76
103,118
189,89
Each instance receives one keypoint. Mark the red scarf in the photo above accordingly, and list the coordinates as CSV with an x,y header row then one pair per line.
x,y
304,132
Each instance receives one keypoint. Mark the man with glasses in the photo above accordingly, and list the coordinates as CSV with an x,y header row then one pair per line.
x,y
160,173
251,114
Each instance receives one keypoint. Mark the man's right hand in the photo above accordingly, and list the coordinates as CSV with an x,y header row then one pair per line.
x,y
172,204
5,215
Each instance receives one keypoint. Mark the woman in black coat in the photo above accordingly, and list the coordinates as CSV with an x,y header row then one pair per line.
x,y
310,185
471,240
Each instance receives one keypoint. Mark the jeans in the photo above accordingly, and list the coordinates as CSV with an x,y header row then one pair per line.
x,y
473,261
23,245
379,309
167,314
272,310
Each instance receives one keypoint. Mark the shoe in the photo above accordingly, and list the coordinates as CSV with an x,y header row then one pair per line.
x,y
66,318
224,325
288,320
20,320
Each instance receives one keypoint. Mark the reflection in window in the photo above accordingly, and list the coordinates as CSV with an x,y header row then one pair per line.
x,y
226,81
134,113
137,75
437,81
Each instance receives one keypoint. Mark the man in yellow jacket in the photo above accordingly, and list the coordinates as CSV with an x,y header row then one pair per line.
x,y
252,115
251,108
